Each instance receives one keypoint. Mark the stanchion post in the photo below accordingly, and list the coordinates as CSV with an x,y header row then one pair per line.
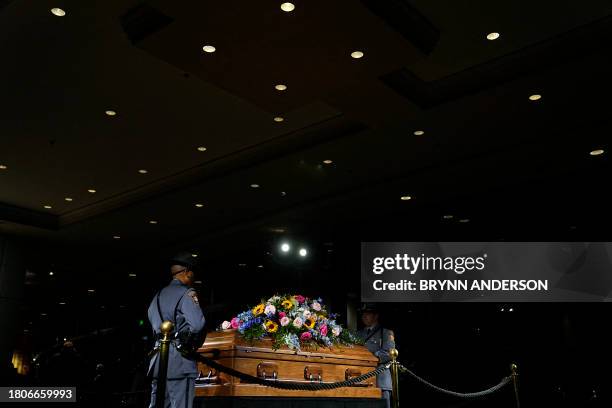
x,y
514,370
393,353
164,349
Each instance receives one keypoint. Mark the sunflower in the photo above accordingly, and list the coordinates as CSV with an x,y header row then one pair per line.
x,y
310,322
271,326
287,304
259,309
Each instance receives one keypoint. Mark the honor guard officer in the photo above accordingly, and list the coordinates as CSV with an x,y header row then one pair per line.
x,y
379,341
178,302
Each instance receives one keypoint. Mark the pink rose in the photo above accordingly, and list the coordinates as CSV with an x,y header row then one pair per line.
x,y
316,306
282,314
299,298
323,330
306,336
298,322
284,321
226,325
235,323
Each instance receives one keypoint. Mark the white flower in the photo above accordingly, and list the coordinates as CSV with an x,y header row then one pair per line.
x,y
316,306
226,325
307,313
284,321
298,322
273,299
336,331
270,309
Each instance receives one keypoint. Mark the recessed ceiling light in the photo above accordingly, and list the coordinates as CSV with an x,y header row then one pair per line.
x,y
260,266
241,264
357,54
110,112
91,290
43,314
201,149
327,161
62,303
51,273
116,237
419,132
58,12
405,198
132,275
68,199
492,36
48,207
91,190
464,220
597,152
194,255
303,252
535,97
143,171
280,87
287,7
283,193
254,185
278,119
209,48
152,222
3,167
199,282
199,205
447,217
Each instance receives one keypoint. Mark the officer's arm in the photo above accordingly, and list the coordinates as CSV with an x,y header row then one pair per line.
x,y
151,315
192,311
387,344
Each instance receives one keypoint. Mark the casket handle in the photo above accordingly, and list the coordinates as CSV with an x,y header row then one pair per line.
x,y
264,368
351,373
312,372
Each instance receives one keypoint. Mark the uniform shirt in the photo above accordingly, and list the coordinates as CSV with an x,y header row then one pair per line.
x,y
189,316
379,342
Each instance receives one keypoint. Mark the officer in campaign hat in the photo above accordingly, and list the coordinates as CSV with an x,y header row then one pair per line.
x,y
379,341
178,302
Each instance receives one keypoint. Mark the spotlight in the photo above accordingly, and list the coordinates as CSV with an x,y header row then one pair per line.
x,y
535,97
56,11
287,7
303,252
209,48
357,54
596,152
285,247
492,36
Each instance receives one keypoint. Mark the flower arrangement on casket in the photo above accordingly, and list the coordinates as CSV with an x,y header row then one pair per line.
x,y
293,321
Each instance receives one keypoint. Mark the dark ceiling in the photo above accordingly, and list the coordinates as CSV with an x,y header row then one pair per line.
x,y
515,168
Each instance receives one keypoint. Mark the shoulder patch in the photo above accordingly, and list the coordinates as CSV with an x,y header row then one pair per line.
x,y
194,296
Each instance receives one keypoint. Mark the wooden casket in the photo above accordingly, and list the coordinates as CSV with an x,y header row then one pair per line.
x,y
260,360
